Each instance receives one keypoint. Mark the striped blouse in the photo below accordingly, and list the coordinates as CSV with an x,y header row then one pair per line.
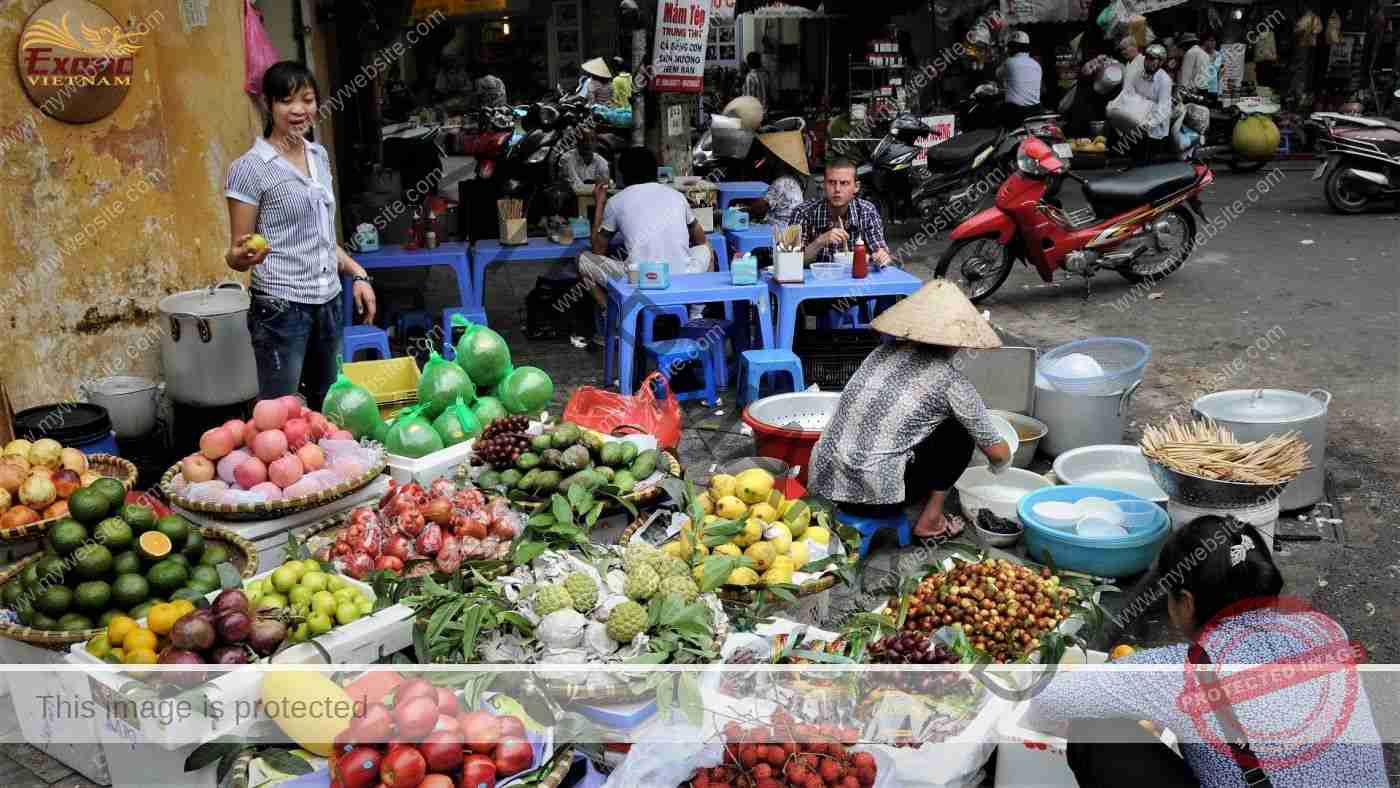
x,y
296,214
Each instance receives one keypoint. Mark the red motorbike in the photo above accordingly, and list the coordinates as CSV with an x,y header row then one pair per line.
x,y
1141,223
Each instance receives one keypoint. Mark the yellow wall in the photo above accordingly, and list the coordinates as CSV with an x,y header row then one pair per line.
x,y
168,146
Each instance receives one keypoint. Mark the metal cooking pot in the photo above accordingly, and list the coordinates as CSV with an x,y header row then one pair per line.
x,y
131,402
206,351
1081,419
1255,414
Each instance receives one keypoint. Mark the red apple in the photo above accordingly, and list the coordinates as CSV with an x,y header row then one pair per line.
x,y
512,727
397,546
436,781
447,701
413,688
403,767
478,771
447,723
376,726
358,768
513,756
481,730
442,750
389,563
416,717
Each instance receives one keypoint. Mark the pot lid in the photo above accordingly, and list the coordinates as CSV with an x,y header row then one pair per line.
x,y
120,384
208,302
1261,406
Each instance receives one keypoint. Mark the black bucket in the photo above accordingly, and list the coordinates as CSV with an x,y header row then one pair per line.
x,y
80,425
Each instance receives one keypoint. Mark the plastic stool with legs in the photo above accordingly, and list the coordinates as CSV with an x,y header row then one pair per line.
x,y
712,333
869,526
755,364
362,337
674,353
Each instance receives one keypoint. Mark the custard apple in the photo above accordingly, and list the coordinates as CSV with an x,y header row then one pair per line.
x,y
582,590
550,599
642,582
673,567
626,621
683,587
639,554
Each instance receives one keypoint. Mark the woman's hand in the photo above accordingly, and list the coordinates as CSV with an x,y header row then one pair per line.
x,y
364,300
243,255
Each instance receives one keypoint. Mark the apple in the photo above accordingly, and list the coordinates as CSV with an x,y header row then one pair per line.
x,y
412,688
481,730
436,781
358,768
403,767
377,725
513,756
478,771
416,717
447,701
442,750
512,727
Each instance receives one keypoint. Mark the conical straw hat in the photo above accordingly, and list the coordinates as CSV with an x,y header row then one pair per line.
x,y
787,145
598,68
938,314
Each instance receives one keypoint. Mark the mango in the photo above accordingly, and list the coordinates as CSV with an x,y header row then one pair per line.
x,y
730,508
743,576
764,512
818,534
754,485
762,555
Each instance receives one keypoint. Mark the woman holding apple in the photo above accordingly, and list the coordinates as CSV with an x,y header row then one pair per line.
x,y
281,208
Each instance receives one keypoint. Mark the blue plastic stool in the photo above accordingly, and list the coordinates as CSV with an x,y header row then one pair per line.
x,y
673,353
359,338
757,363
713,333
414,318
869,526
478,316
650,313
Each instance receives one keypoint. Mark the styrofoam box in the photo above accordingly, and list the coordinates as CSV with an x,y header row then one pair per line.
x,y
67,738
444,462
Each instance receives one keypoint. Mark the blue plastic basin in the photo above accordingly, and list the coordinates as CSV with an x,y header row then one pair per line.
x,y
1114,557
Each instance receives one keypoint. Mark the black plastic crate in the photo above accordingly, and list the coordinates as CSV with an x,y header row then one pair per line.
x,y
830,358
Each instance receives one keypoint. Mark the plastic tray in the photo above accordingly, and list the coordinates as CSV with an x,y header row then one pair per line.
x,y
390,380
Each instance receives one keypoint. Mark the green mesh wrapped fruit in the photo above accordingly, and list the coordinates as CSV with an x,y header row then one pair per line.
x,y
482,352
626,621
526,390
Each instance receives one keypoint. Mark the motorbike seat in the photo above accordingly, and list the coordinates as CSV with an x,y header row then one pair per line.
x,y
1141,184
961,148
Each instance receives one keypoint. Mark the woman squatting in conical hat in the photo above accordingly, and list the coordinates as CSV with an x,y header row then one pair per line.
x,y
907,421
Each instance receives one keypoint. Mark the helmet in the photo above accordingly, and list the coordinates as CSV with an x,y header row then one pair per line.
x,y
1158,51
1020,37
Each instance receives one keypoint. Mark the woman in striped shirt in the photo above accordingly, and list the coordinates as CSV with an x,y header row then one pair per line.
x,y
281,190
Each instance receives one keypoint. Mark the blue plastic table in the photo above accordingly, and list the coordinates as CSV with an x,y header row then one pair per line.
x,y
730,191
889,281
755,236
626,301
452,255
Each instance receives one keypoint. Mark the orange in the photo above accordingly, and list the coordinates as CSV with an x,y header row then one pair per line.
x,y
140,656
153,545
1120,651
118,629
185,607
160,618
139,639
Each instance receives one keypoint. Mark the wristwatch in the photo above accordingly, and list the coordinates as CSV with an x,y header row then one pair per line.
x,y
361,278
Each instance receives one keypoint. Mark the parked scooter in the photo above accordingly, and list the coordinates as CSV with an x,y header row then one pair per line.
x,y
1363,160
1217,137
1141,224
740,159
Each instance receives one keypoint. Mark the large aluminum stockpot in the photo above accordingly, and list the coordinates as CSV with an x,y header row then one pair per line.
x,y
1081,419
206,352
1255,414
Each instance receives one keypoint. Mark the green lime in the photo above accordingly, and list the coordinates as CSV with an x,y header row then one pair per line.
x,y
129,590
50,571
94,562
127,563
167,577
176,528
194,545
206,576
25,608
30,575
94,596
54,601
67,535
106,618
140,518
202,588
114,533
88,504
111,489
180,559
74,622
43,621
139,612
214,554
13,591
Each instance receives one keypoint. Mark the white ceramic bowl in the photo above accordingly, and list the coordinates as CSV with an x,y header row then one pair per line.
x,y
1094,527
1060,515
978,488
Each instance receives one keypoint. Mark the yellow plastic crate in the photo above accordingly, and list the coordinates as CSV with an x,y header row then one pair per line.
x,y
390,380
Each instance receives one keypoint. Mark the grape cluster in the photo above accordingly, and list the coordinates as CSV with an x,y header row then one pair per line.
x,y
503,441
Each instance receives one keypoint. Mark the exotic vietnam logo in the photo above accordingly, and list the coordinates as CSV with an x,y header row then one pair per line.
x,y
76,61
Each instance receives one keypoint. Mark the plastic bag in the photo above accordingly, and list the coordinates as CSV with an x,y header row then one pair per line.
x,y
482,352
526,390
413,435
488,409
350,406
645,412
456,424
443,383
257,48
1129,111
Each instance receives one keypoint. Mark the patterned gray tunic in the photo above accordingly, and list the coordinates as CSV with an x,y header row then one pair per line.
x,y
897,398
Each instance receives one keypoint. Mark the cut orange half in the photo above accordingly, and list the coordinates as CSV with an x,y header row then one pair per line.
x,y
153,545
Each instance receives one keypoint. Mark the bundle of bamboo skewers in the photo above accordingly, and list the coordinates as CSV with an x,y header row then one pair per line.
x,y
1209,451
788,238
510,209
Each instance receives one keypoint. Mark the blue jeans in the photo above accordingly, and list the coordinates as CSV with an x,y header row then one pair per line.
x,y
297,346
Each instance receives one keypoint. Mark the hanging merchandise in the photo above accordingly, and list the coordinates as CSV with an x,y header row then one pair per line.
x,y
1265,49
1334,29
258,50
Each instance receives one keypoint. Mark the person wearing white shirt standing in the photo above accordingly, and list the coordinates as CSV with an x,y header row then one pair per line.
x,y
1021,76
1195,65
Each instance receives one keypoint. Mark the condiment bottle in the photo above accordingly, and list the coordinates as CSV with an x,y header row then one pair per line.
x,y
860,266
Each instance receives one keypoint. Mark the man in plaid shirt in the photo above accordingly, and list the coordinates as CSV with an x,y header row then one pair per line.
x,y
832,223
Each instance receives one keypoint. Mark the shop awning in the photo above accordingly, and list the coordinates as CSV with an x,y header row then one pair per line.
x,y
426,8
813,9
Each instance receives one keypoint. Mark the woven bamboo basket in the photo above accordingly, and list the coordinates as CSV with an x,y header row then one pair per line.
x,y
107,465
244,557
240,777
270,509
640,499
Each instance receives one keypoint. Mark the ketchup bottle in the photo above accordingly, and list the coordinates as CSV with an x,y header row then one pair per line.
x,y
860,266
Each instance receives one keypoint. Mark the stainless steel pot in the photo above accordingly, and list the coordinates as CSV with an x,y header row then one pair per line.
x,y
207,352
131,402
1081,419
1255,414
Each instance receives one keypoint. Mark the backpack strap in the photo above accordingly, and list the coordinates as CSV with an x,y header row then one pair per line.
x,y
1244,756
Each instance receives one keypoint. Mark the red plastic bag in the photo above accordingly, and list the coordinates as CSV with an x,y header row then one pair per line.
x,y
257,46
608,412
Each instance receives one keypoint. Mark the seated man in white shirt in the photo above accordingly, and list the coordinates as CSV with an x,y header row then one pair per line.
x,y
1155,85
1021,76
583,166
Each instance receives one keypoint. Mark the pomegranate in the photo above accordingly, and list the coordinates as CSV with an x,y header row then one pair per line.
x,y
360,566
388,563
513,756
438,510
430,541
403,767
397,546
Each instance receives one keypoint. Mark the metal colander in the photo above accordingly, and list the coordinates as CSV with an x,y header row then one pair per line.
x,y
802,411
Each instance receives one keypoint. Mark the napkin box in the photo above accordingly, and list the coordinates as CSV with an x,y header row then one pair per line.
x,y
743,270
653,275
736,219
